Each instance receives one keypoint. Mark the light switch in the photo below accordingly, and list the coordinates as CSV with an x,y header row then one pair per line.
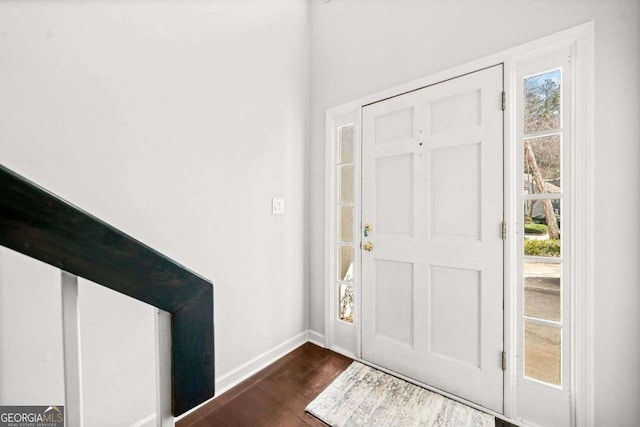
x,y
277,206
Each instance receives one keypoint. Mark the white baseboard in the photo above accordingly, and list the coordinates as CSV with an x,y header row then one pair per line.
x,y
244,371
316,338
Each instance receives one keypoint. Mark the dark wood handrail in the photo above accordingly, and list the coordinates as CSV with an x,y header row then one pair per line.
x,y
41,225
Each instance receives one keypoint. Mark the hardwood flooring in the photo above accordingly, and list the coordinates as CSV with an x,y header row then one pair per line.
x,y
277,395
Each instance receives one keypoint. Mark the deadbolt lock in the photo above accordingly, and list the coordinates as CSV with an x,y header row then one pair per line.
x,y
367,229
367,246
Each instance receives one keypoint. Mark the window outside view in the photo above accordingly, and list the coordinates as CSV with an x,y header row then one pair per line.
x,y
345,209
542,269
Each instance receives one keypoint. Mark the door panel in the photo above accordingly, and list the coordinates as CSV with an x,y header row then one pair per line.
x,y
394,126
454,314
456,111
455,213
432,189
394,204
394,301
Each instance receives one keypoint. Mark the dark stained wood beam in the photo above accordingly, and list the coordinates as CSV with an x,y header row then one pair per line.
x,y
43,226
192,352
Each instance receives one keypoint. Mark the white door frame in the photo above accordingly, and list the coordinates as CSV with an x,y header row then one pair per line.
x,y
580,39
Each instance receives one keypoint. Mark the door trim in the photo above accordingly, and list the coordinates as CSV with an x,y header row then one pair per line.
x,y
581,40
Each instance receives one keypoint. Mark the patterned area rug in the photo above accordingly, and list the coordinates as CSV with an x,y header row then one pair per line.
x,y
363,396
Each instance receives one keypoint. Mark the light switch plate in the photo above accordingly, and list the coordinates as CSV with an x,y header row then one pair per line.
x,y
277,206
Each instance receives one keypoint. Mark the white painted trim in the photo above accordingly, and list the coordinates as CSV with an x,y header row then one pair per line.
x,y
244,371
580,199
510,248
71,350
538,401
162,326
582,355
334,120
316,338
582,227
329,226
357,170
143,421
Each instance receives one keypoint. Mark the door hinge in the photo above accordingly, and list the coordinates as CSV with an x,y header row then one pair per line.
x,y
504,361
504,100
504,230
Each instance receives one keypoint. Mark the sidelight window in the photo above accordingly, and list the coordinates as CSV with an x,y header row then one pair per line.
x,y
345,206
542,226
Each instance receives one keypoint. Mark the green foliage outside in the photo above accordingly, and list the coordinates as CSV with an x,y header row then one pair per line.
x,y
541,219
549,247
531,228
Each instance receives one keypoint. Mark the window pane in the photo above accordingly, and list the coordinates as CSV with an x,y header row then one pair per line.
x,y
542,352
345,302
542,287
345,263
542,165
345,144
346,184
345,223
542,226
542,102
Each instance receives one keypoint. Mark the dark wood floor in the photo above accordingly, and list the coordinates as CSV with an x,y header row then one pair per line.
x,y
277,395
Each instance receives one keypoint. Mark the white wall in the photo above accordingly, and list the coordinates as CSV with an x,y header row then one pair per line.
x,y
31,363
117,344
175,121
360,47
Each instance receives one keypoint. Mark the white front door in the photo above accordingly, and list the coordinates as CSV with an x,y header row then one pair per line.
x,y
432,191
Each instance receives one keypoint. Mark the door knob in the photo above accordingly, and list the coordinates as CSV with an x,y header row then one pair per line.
x,y
367,246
